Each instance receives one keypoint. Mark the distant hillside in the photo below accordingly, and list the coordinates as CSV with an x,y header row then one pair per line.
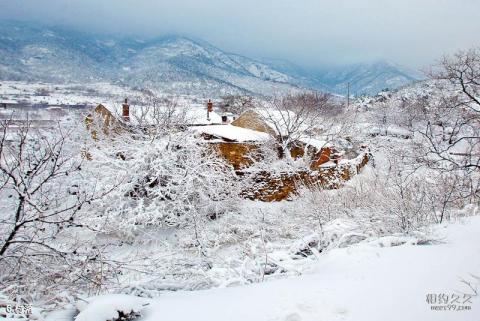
x,y
364,78
173,64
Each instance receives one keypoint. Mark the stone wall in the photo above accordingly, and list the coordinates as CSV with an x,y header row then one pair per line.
x,y
273,187
101,119
239,155
243,155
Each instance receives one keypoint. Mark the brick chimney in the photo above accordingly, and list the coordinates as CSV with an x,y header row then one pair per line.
x,y
126,110
209,108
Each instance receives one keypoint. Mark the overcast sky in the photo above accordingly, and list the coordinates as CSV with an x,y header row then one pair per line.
x,y
308,32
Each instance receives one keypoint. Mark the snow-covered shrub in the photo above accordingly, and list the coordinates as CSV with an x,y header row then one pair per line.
x,y
382,203
340,232
173,181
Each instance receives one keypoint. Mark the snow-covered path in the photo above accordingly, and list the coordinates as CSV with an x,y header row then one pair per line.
x,y
362,282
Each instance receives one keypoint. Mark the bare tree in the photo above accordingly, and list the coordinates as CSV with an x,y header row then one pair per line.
x,y
462,71
43,194
236,104
151,116
453,123
294,117
158,116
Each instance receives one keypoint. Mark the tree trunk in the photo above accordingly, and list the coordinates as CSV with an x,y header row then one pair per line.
x,y
16,228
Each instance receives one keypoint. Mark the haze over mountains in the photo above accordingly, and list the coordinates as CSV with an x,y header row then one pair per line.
x,y
174,64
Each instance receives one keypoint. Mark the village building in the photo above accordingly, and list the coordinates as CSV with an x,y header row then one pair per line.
x,y
7,103
138,115
239,146
240,142
19,113
317,151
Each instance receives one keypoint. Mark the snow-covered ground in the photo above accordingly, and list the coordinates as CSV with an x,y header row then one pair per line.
x,y
365,282
334,255
89,94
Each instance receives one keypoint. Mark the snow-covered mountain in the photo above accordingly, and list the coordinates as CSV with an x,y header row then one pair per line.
x,y
177,64
367,78
363,78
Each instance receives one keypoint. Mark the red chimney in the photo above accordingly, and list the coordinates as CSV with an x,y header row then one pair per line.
x,y
126,110
209,108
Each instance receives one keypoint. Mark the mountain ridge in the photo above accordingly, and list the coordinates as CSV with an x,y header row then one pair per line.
x,y
179,64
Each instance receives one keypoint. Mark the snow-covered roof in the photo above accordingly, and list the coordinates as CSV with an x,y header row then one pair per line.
x,y
278,120
233,133
198,116
317,143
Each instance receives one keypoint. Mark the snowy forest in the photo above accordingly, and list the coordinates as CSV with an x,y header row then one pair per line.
x,y
122,201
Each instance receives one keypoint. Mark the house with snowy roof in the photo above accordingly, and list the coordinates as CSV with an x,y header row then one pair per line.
x,y
115,118
242,143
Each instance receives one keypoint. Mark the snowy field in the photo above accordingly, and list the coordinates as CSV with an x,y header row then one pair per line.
x,y
364,282
75,94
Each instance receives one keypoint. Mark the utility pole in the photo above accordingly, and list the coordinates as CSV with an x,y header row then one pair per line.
x,y
348,94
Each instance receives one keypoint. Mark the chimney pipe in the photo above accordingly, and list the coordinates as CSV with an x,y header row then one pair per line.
x,y
209,108
126,110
